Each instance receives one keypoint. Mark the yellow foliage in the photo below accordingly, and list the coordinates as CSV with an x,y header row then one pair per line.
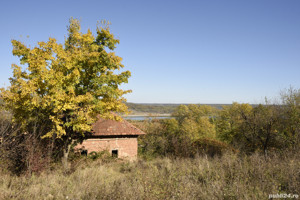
x,y
70,84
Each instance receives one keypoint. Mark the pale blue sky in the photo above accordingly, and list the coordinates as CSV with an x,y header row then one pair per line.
x,y
213,51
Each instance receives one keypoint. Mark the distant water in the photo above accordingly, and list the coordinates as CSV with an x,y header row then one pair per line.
x,y
146,117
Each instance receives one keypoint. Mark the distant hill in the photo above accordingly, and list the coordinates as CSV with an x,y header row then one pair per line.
x,y
155,108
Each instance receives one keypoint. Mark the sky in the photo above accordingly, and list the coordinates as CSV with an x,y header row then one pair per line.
x,y
201,51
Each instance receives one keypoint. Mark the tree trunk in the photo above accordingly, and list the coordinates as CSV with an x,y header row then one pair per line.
x,y
65,157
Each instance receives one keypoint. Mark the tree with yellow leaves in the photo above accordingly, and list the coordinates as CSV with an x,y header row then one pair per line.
x,y
68,85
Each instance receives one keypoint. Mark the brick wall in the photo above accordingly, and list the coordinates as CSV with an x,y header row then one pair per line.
x,y
127,147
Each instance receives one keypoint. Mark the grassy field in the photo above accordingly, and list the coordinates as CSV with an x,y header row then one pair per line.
x,y
227,177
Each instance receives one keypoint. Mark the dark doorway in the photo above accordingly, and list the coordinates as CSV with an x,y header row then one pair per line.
x,y
114,153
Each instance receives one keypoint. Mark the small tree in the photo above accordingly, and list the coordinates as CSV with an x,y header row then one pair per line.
x,y
290,125
260,127
67,85
229,122
251,128
195,121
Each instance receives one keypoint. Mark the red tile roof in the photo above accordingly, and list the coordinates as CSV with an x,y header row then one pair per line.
x,y
104,127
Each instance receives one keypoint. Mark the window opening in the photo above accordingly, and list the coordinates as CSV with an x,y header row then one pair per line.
x,y
84,152
114,153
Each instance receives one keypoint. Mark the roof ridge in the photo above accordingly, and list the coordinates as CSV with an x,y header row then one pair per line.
x,y
104,127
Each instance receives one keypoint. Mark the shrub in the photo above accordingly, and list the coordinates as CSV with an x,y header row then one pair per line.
x,y
211,147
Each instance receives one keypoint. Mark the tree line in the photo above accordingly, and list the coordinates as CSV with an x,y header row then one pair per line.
x,y
159,108
202,129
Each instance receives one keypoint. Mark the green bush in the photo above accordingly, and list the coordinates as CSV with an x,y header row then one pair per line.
x,y
211,147
97,155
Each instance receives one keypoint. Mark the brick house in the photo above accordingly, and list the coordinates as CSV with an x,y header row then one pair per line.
x,y
118,137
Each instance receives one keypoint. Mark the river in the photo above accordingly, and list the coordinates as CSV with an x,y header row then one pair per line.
x,y
146,117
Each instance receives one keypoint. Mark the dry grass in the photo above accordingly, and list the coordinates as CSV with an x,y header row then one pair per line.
x,y
228,177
